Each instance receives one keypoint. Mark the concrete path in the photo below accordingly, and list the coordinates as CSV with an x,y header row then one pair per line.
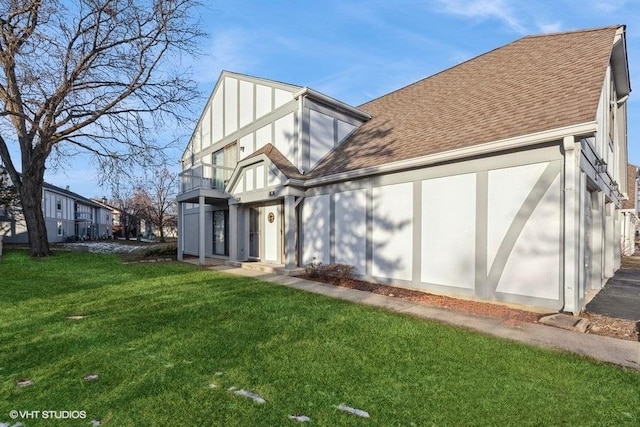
x,y
620,297
620,352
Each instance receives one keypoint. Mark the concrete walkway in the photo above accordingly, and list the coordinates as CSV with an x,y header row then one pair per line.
x,y
619,352
620,297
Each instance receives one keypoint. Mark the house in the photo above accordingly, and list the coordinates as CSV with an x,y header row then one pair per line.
x,y
629,212
501,178
67,216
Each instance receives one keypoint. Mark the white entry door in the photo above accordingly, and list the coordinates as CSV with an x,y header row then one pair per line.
x,y
272,233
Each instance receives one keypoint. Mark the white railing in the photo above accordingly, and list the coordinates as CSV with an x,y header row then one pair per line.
x,y
204,176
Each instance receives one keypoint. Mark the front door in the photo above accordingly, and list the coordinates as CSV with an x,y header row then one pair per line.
x,y
272,233
220,232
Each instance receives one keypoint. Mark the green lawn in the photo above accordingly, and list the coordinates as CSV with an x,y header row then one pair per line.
x,y
159,335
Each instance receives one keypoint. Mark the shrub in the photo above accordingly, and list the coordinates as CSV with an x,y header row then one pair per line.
x,y
330,272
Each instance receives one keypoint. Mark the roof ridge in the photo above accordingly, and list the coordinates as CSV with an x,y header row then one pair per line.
x,y
485,54
560,33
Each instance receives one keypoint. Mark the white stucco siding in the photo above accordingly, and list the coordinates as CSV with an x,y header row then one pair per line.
x,y
263,100
351,229
315,225
344,129
239,187
217,116
206,128
321,136
263,136
249,179
273,179
281,97
448,231
197,139
190,230
246,145
260,177
533,267
230,105
284,135
392,231
246,103
508,189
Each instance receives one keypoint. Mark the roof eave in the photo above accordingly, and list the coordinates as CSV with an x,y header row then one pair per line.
x,y
314,94
620,63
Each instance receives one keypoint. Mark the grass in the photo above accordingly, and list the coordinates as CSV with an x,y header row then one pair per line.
x,y
159,335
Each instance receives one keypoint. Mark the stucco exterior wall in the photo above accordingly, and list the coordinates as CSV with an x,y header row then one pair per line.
x,y
489,228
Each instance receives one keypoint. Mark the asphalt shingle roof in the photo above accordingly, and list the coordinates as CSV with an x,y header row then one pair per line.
x,y
534,84
280,161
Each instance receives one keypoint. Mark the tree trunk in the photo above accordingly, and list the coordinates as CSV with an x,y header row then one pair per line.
x,y
161,223
31,200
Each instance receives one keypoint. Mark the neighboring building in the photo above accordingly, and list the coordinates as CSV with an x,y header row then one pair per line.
x,y
67,215
501,178
112,216
629,212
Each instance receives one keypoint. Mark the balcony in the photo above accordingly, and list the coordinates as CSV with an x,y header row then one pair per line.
x,y
204,180
204,176
83,216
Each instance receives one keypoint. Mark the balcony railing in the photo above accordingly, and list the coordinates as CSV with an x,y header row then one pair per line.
x,y
204,176
83,216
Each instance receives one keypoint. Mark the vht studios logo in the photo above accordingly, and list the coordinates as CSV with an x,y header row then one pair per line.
x,y
48,415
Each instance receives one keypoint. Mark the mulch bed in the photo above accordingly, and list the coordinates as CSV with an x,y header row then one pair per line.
x,y
600,325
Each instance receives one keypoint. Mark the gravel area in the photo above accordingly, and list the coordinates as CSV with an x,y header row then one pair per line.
x,y
104,247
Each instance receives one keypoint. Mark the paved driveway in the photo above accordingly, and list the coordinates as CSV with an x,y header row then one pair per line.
x,y
620,297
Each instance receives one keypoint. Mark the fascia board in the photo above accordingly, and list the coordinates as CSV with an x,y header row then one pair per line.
x,y
305,91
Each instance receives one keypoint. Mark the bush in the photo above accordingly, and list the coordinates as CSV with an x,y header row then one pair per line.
x,y
162,250
335,273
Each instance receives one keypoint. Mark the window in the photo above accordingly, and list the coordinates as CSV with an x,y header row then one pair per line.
x,y
224,161
218,172
58,204
60,229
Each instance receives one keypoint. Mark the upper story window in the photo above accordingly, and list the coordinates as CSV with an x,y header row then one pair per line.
x,y
223,161
58,204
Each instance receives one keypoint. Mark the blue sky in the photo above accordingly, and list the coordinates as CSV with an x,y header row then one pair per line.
x,y
358,50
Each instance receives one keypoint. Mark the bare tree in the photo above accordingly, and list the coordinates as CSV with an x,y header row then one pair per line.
x,y
88,76
160,193
131,203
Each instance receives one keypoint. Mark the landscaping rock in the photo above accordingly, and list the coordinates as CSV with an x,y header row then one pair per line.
x,y
247,393
300,418
565,321
24,383
348,409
